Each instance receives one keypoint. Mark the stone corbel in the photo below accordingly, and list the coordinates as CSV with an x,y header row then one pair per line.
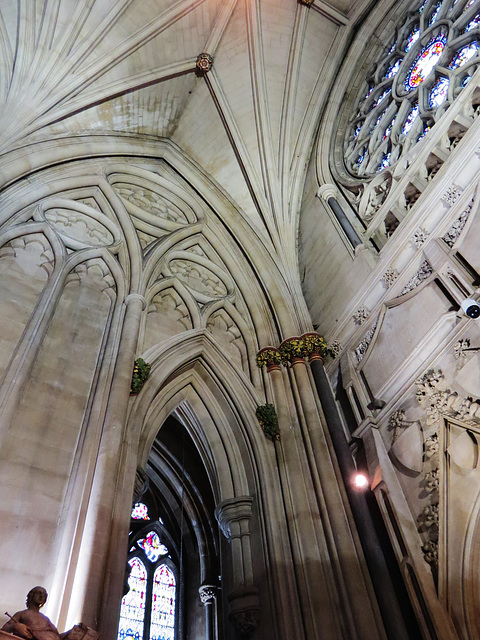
x,y
233,517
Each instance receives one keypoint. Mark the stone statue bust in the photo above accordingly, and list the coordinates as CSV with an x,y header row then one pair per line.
x,y
30,624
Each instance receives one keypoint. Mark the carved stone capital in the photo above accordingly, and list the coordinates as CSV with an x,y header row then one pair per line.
x,y
326,191
269,357
233,516
207,593
244,609
245,622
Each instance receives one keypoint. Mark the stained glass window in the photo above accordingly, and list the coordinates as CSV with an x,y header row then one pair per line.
x,y
463,55
439,92
140,512
132,612
425,62
440,40
162,626
414,111
152,546
412,38
148,610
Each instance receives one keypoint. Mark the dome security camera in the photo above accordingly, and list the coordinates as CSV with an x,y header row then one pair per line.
x,y
471,308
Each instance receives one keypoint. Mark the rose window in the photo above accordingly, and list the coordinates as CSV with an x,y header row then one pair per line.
x,y
420,73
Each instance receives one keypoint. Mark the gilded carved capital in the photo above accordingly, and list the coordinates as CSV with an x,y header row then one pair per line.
x,y
269,357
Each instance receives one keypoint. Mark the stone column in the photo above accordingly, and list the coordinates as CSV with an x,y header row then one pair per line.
x,y
328,193
316,616
234,516
94,570
384,590
208,595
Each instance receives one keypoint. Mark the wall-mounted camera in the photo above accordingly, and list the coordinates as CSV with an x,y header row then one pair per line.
x,y
471,308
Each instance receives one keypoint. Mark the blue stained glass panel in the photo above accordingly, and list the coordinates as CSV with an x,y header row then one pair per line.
x,y
132,612
438,93
381,97
385,161
473,24
463,55
434,15
410,119
392,69
412,38
163,604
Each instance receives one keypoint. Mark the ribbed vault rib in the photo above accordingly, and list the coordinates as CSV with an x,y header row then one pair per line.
x,y
260,101
241,153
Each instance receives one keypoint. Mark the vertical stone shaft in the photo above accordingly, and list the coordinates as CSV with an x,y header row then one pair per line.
x,y
99,525
317,602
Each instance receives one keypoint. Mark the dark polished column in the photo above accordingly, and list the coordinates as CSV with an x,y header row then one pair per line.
x,y
328,193
382,583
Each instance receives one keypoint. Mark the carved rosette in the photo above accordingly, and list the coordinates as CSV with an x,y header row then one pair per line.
x,y
207,593
269,357
204,63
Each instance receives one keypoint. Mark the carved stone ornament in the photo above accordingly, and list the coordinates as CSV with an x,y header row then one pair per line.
x,y
307,3
361,314
451,195
233,516
432,480
430,552
207,593
335,348
457,227
424,272
460,347
389,277
245,622
419,238
440,402
204,62
363,345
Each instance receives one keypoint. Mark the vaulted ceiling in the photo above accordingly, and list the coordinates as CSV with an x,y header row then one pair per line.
x,y
71,67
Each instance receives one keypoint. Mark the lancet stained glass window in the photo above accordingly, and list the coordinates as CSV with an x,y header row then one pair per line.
x,y
148,610
415,80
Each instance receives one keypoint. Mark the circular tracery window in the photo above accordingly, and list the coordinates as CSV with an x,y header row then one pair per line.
x,y
433,56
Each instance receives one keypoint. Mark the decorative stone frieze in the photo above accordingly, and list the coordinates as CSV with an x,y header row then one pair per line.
x,y
419,238
389,277
457,227
207,593
424,272
360,315
430,552
427,384
204,63
363,345
451,195
431,446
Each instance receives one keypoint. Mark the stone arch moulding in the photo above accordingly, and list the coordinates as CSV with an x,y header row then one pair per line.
x,y
197,352
102,231
189,210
